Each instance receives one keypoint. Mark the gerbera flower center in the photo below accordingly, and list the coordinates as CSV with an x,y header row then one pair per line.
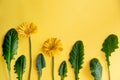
x,y
52,47
28,31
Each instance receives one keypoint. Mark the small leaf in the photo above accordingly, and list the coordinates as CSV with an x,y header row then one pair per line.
x,y
10,45
63,70
20,66
76,57
40,64
96,69
109,46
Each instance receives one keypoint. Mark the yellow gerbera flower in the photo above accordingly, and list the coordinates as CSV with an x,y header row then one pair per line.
x,y
52,46
26,29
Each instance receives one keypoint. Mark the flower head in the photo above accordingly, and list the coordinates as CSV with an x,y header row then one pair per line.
x,y
26,29
52,46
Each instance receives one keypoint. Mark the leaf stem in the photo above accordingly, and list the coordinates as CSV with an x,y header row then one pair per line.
x,y
108,65
30,49
39,77
9,68
76,77
109,73
9,75
52,68
62,78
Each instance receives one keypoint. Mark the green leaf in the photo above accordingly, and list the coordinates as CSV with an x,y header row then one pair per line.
x,y
96,69
63,70
76,57
109,46
20,66
40,64
10,45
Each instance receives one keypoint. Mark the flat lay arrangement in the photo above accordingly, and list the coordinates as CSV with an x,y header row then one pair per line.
x,y
51,47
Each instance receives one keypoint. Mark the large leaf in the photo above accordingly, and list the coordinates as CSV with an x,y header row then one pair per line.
x,y
20,66
63,70
10,46
76,57
109,46
40,64
96,69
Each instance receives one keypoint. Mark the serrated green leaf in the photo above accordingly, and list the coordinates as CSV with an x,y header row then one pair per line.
x,y
76,57
109,46
40,64
20,66
96,69
63,70
10,46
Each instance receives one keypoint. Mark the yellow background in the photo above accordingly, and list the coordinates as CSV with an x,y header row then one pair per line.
x,y
69,20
